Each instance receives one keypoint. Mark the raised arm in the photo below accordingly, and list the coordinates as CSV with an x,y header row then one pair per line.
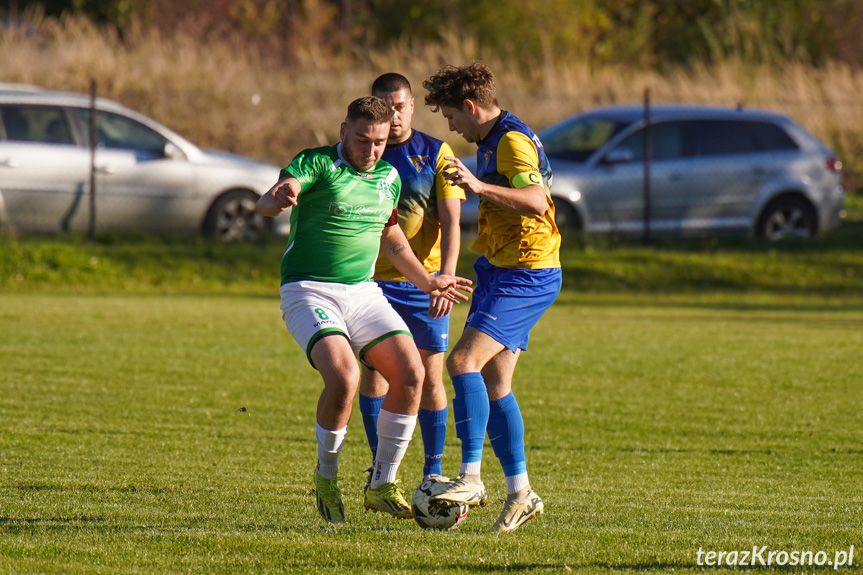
x,y
279,198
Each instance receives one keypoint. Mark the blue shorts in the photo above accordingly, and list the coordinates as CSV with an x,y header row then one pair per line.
x,y
507,302
412,304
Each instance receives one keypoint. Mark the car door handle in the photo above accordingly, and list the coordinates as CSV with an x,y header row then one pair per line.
x,y
9,163
105,169
759,171
675,177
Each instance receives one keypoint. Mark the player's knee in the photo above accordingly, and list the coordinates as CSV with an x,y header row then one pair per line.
x,y
458,362
412,375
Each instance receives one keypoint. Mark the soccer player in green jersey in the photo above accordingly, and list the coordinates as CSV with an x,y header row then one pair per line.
x,y
343,202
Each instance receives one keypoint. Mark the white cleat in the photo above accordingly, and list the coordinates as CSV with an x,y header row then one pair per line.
x,y
519,507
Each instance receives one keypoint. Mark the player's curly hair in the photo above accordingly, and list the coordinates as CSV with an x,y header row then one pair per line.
x,y
371,109
452,85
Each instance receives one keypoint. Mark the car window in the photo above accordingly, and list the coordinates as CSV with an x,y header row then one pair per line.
x,y
772,137
716,137
119,132
576,141
35,124
667,138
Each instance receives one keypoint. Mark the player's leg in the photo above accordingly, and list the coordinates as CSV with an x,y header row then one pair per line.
x,y
337,364
505,423
373,389
433,412
396,358
525,295
313,314
506,434
471,410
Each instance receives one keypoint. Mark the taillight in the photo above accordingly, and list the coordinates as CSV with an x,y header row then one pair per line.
x,y
834,165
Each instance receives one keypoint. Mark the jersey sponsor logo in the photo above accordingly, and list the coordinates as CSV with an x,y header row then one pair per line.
x,y
361,213
418,162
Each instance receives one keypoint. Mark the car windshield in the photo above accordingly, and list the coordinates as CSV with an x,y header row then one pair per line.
x,y
577,139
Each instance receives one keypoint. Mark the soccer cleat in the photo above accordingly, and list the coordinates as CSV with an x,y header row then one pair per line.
x,y
463,490
368,470
519,507
388,498
328,496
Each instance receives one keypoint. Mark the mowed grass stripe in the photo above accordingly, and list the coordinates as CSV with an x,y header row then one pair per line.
x,y
168,434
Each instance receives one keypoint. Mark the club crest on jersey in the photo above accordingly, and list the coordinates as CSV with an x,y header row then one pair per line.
x,y
418,162
385,192
487,156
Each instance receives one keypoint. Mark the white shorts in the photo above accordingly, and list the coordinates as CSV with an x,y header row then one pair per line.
x,y
360,312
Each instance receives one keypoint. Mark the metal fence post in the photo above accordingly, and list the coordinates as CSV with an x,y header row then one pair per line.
x,y
648,157
94,141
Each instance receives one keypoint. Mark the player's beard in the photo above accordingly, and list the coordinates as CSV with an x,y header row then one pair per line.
x,y
359,162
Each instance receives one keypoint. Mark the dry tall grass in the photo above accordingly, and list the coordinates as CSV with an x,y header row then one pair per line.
x,y
228,95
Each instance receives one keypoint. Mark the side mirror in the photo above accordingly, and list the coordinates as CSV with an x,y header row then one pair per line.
x,y
619,156
172,152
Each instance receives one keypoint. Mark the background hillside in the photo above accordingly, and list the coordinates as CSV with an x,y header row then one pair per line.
x,y
268,78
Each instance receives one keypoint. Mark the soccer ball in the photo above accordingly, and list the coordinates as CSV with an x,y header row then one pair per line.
x,y
433,517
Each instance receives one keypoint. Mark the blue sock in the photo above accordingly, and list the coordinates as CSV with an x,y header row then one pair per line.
x,y
506,433
470,407
433,429
370,407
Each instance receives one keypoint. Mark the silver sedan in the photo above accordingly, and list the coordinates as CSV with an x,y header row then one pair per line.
x,y
147,177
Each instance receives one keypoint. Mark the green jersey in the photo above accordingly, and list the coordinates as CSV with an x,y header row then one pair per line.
x,y
340,215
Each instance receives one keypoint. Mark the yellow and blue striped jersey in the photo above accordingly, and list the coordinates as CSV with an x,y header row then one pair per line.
x,y
420,163
511,156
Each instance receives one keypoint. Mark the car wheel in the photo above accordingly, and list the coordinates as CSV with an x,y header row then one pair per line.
x,y
566,217
787,218
232,218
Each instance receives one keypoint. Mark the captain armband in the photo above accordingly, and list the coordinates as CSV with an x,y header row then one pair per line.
x,y
524,179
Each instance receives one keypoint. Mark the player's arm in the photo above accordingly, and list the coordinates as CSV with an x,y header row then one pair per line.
x,y
449,198
518,160
449,213
279,198
395,246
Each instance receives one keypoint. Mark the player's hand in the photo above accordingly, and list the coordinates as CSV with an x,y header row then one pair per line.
x,y
284,195
439,307
450,287
457,173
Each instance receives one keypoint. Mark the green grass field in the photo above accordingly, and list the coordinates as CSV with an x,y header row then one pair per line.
x,y
156,417
175,434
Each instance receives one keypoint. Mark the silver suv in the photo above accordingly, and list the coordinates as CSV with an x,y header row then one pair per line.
x,y
147,177
712,169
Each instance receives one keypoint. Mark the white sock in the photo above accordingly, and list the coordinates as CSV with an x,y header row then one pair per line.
x,y
329,445
516,483
472,468
394,434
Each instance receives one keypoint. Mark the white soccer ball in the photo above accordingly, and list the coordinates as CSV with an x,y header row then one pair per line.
x,y
433,517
